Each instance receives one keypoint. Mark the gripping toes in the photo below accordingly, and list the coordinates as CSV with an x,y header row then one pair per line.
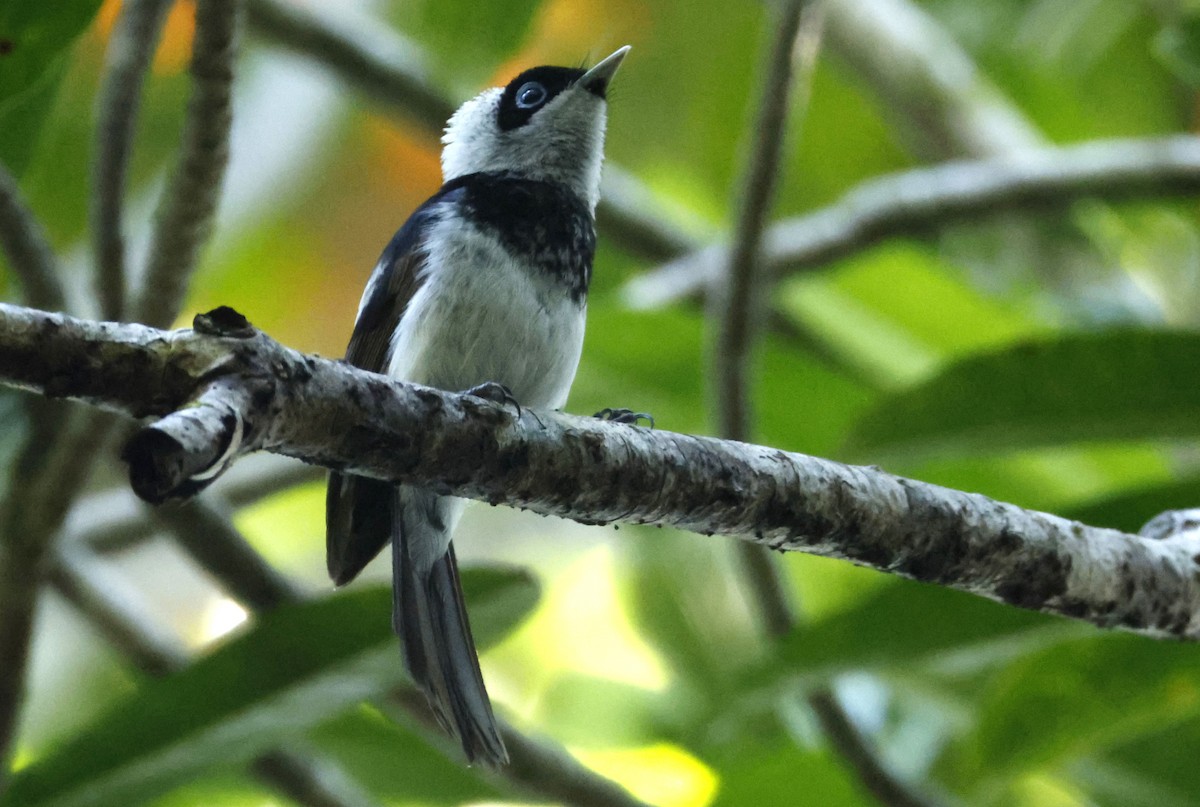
x,y
626,416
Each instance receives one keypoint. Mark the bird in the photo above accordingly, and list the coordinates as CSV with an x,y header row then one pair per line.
x,y
484,290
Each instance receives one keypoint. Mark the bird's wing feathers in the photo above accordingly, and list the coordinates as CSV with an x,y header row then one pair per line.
x,y
363,514
358,511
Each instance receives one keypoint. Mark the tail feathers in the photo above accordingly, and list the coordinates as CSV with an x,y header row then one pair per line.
x,y
358,522
430,618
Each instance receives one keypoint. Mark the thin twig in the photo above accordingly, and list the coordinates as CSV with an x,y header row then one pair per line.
x,y
377,62
857,749
739,313
920,202
57,455
388,69
115,519
28,249
24,526
130,50
189,202
209,537
738,307
103,598
110,604
921,74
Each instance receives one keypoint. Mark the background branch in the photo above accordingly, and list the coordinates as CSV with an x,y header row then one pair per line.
x,y
922,76
27,248
739,309
190,200
130,51
917,203
46,452
740,304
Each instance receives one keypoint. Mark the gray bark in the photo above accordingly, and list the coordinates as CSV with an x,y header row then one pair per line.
x,y
328,413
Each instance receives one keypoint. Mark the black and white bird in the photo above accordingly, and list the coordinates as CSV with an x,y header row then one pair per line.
x,y
485,286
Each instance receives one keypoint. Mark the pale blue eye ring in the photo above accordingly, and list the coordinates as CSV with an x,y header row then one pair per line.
x,y
530,95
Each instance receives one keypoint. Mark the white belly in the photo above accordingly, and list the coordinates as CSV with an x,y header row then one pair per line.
x,y
480,316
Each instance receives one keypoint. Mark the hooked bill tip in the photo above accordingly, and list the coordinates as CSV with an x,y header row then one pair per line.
x,y
596,80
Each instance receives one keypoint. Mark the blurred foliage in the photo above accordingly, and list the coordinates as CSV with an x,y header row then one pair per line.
x,y
1049,361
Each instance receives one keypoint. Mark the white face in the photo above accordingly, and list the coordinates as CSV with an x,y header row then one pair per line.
x,y
559,140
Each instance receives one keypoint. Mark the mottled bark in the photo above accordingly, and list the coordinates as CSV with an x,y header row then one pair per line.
x,y
330,414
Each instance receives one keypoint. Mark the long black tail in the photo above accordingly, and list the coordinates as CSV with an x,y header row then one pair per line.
x,y
430,617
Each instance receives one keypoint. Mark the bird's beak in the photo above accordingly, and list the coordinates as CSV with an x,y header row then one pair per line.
x,y
596,80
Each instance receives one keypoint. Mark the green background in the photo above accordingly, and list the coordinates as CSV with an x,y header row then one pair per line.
x,y
1049,360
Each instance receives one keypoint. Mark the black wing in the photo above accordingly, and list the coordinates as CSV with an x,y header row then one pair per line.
x,y
358,511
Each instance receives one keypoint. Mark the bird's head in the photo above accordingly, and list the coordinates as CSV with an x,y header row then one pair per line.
x,y
547,124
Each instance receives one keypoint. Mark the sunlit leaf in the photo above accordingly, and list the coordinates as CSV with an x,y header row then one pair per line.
x,y
396,764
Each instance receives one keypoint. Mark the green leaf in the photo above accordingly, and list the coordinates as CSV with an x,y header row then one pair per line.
x,y
586,711
1178,46
907,623
33,38
295,668
395,764
1118,385
778,773
1156,769
1129,510
1070,701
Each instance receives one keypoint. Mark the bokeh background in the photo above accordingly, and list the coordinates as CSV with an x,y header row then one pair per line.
x,y
638,649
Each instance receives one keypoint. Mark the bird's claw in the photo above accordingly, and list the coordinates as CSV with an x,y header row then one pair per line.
x,y
626,416
498,393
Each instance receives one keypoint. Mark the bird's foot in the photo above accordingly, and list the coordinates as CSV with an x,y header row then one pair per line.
x,y
626,416
498,393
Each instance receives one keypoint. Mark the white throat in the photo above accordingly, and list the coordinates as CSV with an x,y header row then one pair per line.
x,y
563,143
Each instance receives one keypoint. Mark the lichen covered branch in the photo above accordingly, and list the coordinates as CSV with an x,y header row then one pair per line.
x,y
328,413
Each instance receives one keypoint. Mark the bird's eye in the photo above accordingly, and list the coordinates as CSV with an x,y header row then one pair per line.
x,y
530,95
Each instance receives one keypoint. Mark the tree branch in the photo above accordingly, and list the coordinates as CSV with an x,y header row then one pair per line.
x,y
27,248
917,203
859,752
115,519
130,51
331,414
58,450
738,307
190,200
46,470
920,73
